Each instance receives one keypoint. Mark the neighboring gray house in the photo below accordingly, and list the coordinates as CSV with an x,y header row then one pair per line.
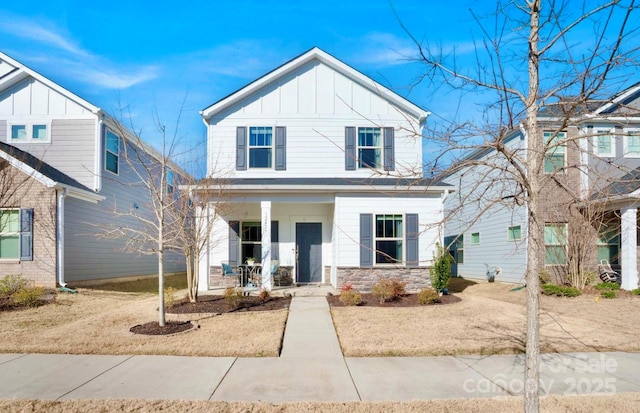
x,y
64,173
596,156
325,177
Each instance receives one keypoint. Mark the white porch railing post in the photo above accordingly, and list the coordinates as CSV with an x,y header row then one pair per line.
x,y
629,248
266,244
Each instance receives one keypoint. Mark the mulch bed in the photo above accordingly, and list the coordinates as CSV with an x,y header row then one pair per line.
x,y
6,304
153,328
217,305
407,300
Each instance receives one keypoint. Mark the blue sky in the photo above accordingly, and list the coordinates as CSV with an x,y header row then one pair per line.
x,y
150,57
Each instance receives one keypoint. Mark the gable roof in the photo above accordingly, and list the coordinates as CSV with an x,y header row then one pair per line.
x,y
320,55
44,173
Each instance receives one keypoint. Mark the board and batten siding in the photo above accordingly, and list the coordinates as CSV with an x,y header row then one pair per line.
x,y
315,104
347,223
480,189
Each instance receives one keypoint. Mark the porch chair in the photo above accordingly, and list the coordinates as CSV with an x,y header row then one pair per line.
x,y
228,270
606,273
278,274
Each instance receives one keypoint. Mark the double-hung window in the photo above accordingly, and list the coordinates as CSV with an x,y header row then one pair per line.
x,y
34,132
111,152
632,143
459,250
170,181
9,233
603,143
251,241
260,146
555,244
369,148
554,158
389,239
608,244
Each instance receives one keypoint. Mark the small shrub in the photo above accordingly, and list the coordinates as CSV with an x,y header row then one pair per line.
x,y
608,294
636,291
428,296
387,289
560,290
346,287
264,294
440,270
28,297
608,286
350,297
232,296
10,284
170,297
544,276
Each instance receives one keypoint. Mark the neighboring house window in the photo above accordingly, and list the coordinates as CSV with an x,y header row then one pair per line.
x,y
389,239
514,233
554,158
111,152
9,234
260,141
555,242
170,181
608,244
632,143
603,143
369,148
251,241
30,132
475,238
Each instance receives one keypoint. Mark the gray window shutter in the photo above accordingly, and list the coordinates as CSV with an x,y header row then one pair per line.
x,y
389,149
241,148
281,148
275,251
26,234
350,148
412,230
366,240
234,243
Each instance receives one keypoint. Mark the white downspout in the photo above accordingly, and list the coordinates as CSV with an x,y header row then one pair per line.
x,y
62,194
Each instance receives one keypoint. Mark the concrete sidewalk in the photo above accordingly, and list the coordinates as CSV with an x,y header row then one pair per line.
x,y
311,368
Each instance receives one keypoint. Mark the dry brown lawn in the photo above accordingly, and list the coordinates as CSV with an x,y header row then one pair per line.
x,y
621,403
98,322
489,320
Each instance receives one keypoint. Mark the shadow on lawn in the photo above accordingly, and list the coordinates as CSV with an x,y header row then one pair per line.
x,y
458,284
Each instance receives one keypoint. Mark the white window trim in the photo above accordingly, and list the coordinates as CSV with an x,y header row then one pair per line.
x,y
562,135
402,260
598,133
515,239
242,240
272,147
106,149
627,133
29,124
381,147
471,238
16,259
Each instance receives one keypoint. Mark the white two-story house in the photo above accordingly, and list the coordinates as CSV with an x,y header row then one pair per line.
x,y
322,171
65,178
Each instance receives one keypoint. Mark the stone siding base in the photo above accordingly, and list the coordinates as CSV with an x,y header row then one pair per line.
x,y
363,279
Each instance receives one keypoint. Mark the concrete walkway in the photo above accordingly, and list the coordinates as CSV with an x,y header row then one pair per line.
x,y
311,368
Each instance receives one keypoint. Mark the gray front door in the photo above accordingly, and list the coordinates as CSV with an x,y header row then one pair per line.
x,y
309,246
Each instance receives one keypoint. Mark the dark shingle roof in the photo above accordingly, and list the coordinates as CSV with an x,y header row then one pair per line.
x,y
42,167
621,186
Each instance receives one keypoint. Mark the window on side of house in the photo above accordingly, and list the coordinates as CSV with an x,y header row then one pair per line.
x,y
555,244
9,233
111,152
475,238
260,146
251,241
459,249
554,158
389,239
632,143
29,132
608,244
369,148
514,233
603,143
170,181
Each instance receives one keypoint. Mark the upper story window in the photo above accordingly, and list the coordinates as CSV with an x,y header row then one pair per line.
x,y
111,152
389,239
555,156
34,132
632,143
603,143
260,146
369,148
170,181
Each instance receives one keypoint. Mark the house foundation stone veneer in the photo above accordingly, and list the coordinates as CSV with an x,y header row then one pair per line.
x,y
363,279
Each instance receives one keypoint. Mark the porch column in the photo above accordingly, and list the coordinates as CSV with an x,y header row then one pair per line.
x,y
266,244
629,251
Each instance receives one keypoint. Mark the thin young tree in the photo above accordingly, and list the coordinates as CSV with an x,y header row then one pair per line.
x,y
527,60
